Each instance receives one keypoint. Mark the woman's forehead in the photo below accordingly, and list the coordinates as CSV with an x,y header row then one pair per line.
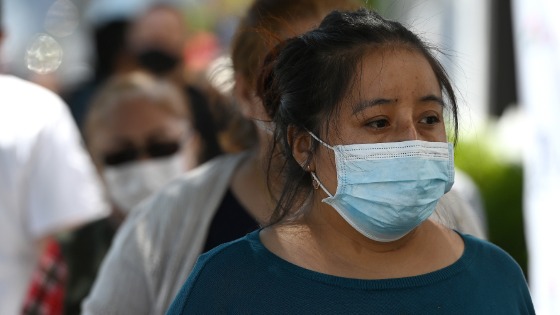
x,y
390,72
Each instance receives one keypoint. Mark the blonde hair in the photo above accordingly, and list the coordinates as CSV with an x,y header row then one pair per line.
x,y
129,87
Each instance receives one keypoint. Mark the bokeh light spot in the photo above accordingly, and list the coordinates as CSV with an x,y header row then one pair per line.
x,y
43,55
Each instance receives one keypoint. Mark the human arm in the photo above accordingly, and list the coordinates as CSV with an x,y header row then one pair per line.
x,y
62,189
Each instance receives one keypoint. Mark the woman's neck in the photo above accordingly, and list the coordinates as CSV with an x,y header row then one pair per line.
x,y
324,242
255,183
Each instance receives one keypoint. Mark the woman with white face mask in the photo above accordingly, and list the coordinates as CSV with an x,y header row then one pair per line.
x,y
139,133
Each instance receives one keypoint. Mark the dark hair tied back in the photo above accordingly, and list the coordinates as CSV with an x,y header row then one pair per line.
x,y
304,80
267,88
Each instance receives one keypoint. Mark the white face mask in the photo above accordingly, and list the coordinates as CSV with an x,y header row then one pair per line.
x,y
129,184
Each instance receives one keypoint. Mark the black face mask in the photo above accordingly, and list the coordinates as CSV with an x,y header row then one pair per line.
x,y
157,61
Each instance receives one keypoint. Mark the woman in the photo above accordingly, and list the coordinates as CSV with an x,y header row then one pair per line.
x,y
140,136
220,201
216,203
359,106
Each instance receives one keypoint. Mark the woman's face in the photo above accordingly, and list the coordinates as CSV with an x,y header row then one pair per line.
x,y
396,98
138,148
137,126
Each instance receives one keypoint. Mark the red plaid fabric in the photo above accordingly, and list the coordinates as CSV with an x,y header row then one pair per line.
x,y
46,290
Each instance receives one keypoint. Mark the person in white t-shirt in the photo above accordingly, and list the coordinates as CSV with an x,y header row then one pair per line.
x,y
48,183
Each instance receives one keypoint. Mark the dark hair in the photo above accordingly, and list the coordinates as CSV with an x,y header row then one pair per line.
x,y
110,41
305,78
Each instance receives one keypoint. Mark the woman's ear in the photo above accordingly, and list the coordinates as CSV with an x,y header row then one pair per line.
x,y
300,142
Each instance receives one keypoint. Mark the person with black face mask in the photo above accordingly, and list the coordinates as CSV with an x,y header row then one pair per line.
x,y
157,60
156,39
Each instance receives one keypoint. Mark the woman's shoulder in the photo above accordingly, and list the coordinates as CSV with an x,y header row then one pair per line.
x,y
488,257
219,274
233,254
495,276
484,247
240,260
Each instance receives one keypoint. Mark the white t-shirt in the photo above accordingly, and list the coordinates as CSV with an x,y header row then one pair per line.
x,y
47,181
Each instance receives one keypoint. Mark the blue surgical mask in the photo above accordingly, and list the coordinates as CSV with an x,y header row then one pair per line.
x,y
385,190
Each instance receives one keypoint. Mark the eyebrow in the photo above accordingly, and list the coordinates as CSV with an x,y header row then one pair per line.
x,y
383,101
433,98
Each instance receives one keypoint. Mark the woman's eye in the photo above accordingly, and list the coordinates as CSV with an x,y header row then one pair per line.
x,y
430,120
379,123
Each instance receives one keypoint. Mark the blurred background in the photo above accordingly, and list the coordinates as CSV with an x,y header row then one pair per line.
x,y
50,42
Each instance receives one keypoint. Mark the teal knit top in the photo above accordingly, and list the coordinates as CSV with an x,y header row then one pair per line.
x,y
243,277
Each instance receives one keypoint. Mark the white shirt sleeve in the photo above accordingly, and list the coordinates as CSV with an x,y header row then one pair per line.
x,y
63,187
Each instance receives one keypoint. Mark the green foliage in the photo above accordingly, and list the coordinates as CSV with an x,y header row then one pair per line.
x,y
501,187
370,3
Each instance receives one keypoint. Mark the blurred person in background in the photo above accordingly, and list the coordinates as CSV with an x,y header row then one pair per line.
x,y
220,201
139,127
140,135
111,58
131,36
48,183
157,39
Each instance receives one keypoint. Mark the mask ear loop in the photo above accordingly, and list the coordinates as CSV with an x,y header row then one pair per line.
x,y
345,154
325,144
316,182
320,141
